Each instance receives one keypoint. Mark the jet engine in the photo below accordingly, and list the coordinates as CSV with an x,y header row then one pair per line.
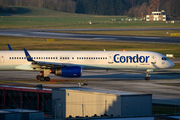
x,y
69,71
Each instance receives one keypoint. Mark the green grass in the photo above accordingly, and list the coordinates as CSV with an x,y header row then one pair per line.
x,y
176,66
32,17
18,43
165,109
160,33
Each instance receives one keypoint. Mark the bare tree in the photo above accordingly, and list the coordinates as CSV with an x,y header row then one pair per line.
x,y
153,5
138,11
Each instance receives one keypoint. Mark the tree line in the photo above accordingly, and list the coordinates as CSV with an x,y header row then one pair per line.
x,y
132,8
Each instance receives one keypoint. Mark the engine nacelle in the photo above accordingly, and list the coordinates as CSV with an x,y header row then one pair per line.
x,y
69,71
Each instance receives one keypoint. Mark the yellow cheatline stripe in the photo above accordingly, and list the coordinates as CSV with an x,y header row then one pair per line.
x,y
175,34
50,39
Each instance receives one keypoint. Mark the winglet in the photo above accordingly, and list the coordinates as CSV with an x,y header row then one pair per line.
x,y
10,48
28,55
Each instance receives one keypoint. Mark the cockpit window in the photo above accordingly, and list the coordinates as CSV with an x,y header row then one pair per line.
x,y
165,58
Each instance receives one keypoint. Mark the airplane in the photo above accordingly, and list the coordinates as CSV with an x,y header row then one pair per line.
x,y
71,63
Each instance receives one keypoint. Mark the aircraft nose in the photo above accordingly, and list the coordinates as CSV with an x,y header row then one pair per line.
x,y
171,64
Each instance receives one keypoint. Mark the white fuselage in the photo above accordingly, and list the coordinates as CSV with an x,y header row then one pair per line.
x,y
16,60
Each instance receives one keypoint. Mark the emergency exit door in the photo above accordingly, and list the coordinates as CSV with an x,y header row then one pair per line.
x,y
1,59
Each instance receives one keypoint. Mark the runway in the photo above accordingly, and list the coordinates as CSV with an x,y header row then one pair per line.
x,y
164,85
43,33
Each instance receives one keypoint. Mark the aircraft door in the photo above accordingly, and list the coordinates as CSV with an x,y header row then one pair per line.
x,y
110,59
1,59
153,59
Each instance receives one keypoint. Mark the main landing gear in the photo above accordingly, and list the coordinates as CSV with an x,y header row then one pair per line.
x,y
43,77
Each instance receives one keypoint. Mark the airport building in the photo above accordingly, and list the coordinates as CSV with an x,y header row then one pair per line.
x,y
13,97
156,16
86,102
21,114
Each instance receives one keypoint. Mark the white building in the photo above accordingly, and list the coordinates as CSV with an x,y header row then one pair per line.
x,y
156,16
87,102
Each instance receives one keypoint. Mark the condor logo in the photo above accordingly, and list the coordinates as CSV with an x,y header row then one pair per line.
x,y
131,59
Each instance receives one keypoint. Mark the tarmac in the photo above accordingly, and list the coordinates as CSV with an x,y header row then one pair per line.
x,y
164,84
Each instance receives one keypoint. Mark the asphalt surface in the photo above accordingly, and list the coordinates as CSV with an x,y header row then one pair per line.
x,y
43,33
164,85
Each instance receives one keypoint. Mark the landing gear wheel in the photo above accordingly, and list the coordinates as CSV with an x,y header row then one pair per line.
x,y
47,78
42,79
38,77
147,78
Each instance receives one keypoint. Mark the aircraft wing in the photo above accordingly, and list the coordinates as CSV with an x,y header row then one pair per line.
x,y
42,64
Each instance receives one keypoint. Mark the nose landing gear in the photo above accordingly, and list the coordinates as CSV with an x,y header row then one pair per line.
x,y
147,74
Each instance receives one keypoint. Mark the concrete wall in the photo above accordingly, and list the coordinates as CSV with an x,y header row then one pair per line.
x,y
140,105
88,104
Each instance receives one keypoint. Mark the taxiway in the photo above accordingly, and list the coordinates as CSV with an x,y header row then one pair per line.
x,y
44,33
164,85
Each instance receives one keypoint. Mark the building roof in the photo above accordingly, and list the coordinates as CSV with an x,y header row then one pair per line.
x,y
103,91
3,111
